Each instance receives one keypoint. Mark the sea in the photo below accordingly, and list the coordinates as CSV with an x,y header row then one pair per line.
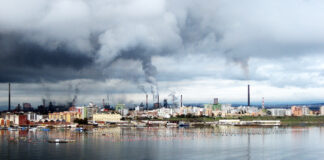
x,y
162,143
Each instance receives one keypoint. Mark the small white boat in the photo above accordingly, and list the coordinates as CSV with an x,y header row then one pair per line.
x,y
171,124
60,140
12,129
32,129
141,125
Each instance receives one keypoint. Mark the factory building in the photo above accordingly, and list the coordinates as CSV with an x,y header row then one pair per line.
x,y
106,117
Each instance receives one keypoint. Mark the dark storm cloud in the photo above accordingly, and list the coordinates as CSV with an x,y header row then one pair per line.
x,y
55,40
23,61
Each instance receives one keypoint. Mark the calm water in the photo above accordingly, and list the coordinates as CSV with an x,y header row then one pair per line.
x,y
225,142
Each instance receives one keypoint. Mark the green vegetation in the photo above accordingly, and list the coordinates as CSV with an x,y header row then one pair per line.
x,y
286,120
81,121
192,118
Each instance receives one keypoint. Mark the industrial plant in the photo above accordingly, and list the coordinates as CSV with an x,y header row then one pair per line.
x,y
67,115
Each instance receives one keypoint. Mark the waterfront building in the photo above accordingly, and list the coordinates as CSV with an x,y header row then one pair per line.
x,y
296,111
91,109
213,107
124,112
83,110
217,113
22,120
197,111
15,119
277,112
288,112
106,117
305,110
208,112
226,108
120,107
322,110
67,116
33,117
165,112
2,122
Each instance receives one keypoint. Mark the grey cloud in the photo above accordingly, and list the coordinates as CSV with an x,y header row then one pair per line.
x,y
90,39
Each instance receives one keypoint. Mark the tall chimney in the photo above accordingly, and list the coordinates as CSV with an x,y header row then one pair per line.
x,y
146,101
158,101
248,94
9,98
181,101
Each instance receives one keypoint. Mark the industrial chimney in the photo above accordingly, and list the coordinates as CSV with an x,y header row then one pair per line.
x,y
248,95
44,103
158,98
146,101
181,101
9,98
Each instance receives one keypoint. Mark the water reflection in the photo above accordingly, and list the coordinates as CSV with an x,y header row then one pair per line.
x,y
222,142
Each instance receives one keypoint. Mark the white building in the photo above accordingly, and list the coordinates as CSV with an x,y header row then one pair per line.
x,y
105,117
278,111
31,116
165,112
124,112
226,108
288,112
305,110
322,110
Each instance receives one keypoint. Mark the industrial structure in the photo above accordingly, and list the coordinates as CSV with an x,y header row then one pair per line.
x,y
248,95
9,98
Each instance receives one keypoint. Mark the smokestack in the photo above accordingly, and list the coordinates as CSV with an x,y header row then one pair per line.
x,y
158,101
248,95
181,101
9,97
146,101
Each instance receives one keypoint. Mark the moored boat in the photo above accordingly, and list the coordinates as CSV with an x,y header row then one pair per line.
x,y
60,140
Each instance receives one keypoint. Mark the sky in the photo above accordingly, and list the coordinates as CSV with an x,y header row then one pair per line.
x,y
123,49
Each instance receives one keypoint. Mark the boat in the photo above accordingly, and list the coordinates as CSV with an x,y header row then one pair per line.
x,y
45,129
32,129
171,124
60,140
23,128
79,129
184,124
141,125
12,129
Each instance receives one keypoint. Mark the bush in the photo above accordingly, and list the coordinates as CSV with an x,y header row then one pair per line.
x,y
81,121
